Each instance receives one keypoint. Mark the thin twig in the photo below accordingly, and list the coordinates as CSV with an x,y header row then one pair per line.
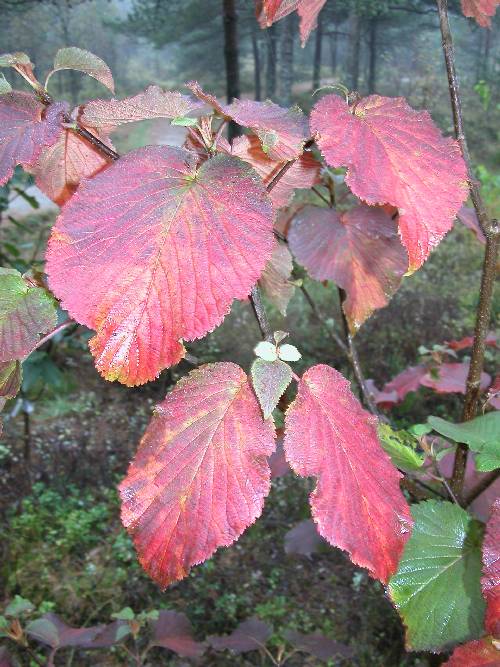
x,y
320,195
321,319
481,486
51,334
492,234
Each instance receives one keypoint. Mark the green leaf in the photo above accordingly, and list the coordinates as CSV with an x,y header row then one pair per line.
x,y
437,587
83,61
5,86
270,379
266,351
401,447
289,353
419,430
125,614
11,59
184,121
482,434
18,607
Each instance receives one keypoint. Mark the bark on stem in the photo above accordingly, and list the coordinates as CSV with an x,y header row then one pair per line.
x,y
491,232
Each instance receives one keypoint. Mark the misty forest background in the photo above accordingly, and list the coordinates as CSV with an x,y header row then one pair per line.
x,y
70,436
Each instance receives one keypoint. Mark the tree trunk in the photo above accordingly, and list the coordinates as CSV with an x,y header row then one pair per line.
x,y
354,49
372,66
318,44
271,62
231,58
333,50
256,62
286,60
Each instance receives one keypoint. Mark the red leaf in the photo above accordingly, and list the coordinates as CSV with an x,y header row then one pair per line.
x,y
275,279
62,166
52,631
359,250
251,635
478,653
304,173
173,631
282,132
481,10
406,381
270,11
200,476
398,156
386,399
26,128
153,250
357,503
107,115
303,539
491,570
468,217
319,646
468,341
451,378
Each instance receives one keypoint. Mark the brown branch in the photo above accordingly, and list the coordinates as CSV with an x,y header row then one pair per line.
x,y
260,314
481,486
492,234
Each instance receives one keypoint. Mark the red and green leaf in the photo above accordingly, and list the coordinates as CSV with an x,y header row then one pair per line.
x,y
270,380
396,156
357,503
26,128
275,279
200,475
154,250
359,251
84,61
10,378
25,313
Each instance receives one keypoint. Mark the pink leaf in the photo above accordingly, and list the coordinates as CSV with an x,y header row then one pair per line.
x,y
491,570
153,250
478,653
386,399
481,10
26,128
275,279
406,381
468,341
270,11
62,166
397,156
308,10
304,173
359,251
282,132
107,115
200,475
357,503
174,632
451,378
251,635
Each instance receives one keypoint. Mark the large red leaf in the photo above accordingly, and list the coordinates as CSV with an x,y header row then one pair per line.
x,y
398,156
200,475
451,378
406,381
154,250
478,653
491,570
26,128
107,115
269,11
481,10
282,132
62,166
359,250
357,503
304,173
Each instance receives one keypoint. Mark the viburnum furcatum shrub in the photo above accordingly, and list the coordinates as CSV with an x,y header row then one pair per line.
x,y
150,250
